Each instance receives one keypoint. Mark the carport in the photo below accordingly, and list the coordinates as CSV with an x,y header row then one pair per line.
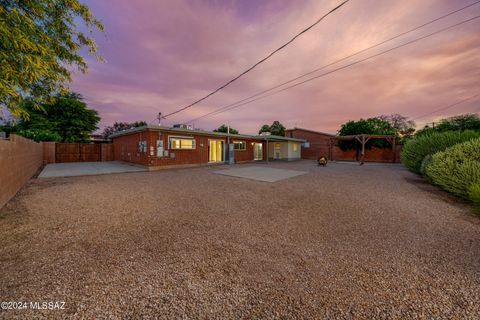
x,y
283,148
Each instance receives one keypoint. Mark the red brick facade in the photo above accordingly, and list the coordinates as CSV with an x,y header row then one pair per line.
x,y
324,144
320,143
126,148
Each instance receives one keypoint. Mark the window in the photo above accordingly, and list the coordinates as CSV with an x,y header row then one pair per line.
x,y
239,145
181,143
295,147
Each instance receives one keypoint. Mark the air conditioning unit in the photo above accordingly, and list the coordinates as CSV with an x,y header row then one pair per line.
x,y
183,126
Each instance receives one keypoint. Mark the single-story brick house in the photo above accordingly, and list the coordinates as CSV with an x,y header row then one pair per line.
x,y
162,147
319,143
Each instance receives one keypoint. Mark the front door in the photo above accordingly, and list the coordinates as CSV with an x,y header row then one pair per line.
x,y
258,151
277,153
215,150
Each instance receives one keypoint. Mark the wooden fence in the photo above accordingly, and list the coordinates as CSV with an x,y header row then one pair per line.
x,y
83,152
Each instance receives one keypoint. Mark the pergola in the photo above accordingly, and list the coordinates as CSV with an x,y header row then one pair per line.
x,y
363,139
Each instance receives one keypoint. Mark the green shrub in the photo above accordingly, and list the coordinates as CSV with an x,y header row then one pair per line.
x,y
415,150
425,162
457,168
474,195
40,135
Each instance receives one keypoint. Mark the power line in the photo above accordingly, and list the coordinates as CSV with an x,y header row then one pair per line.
x,y
259,62
447,107
224,109
339,60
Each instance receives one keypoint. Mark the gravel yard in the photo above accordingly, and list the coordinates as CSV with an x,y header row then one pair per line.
x,y
344,241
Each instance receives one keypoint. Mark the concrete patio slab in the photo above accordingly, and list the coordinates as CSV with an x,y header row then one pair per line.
x,y
72,169
266,174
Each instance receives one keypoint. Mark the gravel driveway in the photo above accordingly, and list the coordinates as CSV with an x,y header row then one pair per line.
x,y
345,241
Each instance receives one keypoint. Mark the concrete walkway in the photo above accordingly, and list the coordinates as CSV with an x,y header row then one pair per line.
x,y
261,173
72,169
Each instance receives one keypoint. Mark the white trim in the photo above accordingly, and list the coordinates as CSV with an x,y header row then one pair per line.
x,y
194,142
223,150
240,141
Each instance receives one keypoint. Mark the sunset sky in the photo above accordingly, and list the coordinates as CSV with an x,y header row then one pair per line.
x,y
163,55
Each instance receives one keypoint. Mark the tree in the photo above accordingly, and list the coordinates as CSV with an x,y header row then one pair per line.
x,y
121,126
460,123
456,123
68,117
264,128
401,124
224,128
276,129
39,45
40,135
365,126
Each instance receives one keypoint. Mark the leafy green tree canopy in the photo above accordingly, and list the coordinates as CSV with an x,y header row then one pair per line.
x,y
264,128
276,129
224,128
67,117
40,135
469,121
365,126
39,43
121,126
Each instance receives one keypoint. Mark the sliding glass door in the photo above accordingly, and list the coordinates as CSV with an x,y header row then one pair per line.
x,y
257,151
215,150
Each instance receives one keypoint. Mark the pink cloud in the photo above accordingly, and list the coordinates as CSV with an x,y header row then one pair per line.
x,y
162,55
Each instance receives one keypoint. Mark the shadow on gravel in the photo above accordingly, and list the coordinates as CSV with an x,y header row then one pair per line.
x,y
422,184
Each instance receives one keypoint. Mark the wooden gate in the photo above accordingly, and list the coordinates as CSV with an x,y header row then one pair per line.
x,y
77,152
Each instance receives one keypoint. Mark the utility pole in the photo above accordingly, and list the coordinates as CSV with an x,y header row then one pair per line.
x,y
231,151
228,137
266,139
159,118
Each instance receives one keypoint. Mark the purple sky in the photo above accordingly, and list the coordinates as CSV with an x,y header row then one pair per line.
x,y
163,55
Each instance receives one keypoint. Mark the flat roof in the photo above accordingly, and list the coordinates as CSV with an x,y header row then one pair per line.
x,y
280,138
203,132
312,131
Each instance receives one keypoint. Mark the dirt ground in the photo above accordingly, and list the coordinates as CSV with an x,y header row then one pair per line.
x,y
341,242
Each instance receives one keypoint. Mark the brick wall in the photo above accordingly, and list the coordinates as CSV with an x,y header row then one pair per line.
x,y
247,154
320,143
125,149
199,155
20,158
49,152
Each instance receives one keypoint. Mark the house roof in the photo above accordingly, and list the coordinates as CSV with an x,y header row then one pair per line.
x,y
280,138
312,131
203,132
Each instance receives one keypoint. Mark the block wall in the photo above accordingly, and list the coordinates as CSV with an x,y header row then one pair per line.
x,y
20,158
